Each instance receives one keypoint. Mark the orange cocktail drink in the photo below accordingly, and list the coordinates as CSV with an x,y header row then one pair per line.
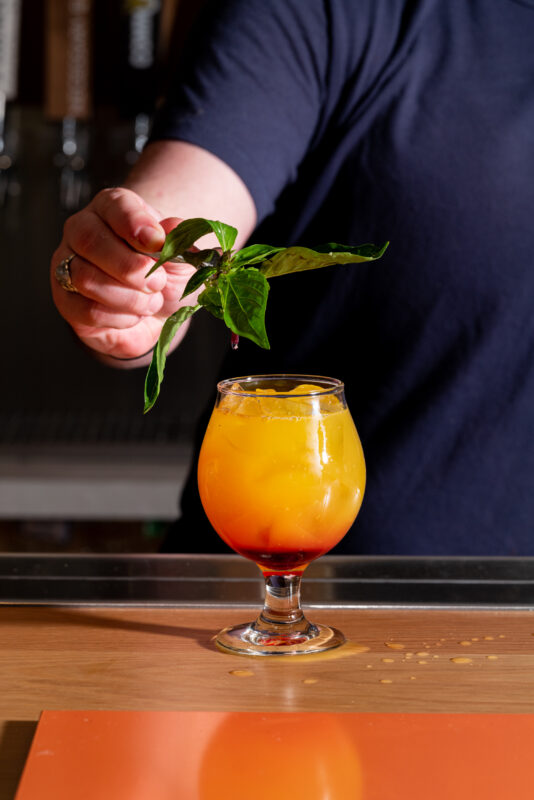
x,y
281,474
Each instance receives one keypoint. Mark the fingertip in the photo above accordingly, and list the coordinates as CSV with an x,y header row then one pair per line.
x,y
150,237
156,282
169,223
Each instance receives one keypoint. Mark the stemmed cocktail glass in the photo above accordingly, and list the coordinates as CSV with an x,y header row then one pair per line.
x,y
281,477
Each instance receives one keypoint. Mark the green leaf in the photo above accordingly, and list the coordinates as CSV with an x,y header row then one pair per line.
x,y
237,291
253,254
299,259
197,279
244,299
182,238
202,258
154,376
225,234
210,299
366,252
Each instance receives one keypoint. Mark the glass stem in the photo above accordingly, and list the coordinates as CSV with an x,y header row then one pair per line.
x,y
282,600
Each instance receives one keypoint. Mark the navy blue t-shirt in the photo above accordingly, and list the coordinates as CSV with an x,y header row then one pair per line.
x,y
367,120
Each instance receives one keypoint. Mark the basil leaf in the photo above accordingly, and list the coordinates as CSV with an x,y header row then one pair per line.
x,y
225,234
202,258
368,252
244,298
237,291
180,239
210,299
299,259
154,376
253,254
197,279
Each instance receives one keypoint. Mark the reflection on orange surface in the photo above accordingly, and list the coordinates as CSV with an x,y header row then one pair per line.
x,y
262,756
140,755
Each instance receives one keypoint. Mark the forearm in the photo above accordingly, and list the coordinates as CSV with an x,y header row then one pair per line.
x,y
181,180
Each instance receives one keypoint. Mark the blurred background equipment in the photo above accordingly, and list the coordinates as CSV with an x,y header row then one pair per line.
x,y
79,80
9,65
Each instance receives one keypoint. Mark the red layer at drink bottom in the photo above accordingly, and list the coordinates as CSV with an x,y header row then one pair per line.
x,y
277,561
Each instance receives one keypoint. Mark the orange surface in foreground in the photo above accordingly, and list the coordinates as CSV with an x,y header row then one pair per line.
x,y
281,475
129,755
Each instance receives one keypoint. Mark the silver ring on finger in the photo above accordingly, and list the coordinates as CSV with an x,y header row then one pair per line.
x,y
63,276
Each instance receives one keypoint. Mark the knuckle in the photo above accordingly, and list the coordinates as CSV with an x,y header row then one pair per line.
x,y
85,239
96,315
70,225
108,195
99,316
92,314
131,269
81,277
79,232
131,303
139,304
144,305
111,196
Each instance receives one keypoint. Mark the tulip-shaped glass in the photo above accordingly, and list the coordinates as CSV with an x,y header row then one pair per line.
x,y
281,477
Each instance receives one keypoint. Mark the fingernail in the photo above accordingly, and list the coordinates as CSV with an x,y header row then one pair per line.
x,y
149,237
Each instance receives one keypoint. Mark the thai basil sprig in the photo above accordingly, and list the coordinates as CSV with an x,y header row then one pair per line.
x,y
235,283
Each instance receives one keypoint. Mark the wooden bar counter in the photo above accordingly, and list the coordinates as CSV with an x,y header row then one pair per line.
x,y
134,633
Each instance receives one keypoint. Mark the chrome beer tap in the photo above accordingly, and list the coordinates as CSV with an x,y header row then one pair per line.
x,y
9,56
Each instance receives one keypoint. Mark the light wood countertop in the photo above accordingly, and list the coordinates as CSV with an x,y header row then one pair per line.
x,y
164,659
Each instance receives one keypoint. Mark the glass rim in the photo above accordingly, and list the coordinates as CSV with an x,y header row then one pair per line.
x,y
336,385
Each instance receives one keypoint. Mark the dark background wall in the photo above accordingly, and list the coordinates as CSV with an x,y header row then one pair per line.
x,y
49,386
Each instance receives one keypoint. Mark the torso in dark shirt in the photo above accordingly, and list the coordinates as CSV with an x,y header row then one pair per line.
x,y
413,122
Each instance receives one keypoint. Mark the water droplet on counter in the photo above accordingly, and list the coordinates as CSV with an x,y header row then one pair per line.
x,y
461,660
394,645
489,638
386,680
423,654
475,639
422,662
465,643
492,658
310,680
241,673
388,660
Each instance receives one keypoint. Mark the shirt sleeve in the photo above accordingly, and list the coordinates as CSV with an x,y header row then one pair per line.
x,y
251,90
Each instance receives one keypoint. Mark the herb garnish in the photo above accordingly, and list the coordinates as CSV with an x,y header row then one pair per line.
x,y
235,283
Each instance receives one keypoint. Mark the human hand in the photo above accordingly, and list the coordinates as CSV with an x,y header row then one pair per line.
x,y
111,306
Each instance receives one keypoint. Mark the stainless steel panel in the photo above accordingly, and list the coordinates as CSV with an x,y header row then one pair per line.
x,y
347,581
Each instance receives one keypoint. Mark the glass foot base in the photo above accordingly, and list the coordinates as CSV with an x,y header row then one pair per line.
x,y
248,640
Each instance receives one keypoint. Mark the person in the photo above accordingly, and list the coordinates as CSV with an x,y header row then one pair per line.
x,y
352,121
